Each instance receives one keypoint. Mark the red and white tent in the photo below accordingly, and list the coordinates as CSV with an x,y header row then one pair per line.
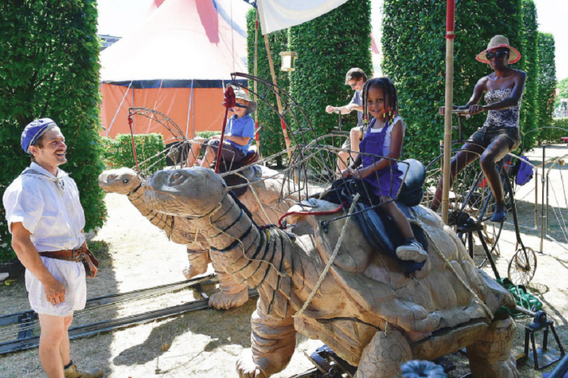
x,y
177,61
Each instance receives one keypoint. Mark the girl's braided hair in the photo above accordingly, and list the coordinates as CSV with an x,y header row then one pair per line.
x,y
389,91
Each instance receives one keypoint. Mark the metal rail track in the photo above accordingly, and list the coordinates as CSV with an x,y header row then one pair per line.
x,y
27,341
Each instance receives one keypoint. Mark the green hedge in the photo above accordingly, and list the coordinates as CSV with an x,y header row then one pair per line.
x,y
49,68
119,153
529,63
555,133
546,83
562,91
414,58
327,48
270,135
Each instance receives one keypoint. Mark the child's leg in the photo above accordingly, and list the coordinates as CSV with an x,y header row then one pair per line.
x,y
411,249
400,220
342,160
356,135
193,153
208,158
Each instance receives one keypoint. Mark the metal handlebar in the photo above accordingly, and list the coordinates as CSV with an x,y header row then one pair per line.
x,y
461,111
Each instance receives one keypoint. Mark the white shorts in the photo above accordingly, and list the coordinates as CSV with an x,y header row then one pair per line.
x,y
72,275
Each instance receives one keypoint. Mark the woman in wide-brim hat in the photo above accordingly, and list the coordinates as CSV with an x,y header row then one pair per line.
x,y
500,133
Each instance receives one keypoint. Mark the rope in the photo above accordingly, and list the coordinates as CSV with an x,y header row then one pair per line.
x,y
465,284
118,109
331,259
255,194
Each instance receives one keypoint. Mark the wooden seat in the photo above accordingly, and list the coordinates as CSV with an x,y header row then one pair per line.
x,y
250,158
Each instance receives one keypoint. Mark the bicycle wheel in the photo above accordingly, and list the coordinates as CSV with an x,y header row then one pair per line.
x,y
471,204
522,266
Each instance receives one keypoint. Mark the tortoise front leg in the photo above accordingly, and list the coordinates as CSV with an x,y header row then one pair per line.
x,y
273,343
384,355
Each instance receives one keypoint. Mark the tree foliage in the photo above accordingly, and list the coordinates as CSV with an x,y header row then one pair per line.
x,y
414,58
529,63
546,81
270,135
319,78
562,91
328,47
49,68
149,148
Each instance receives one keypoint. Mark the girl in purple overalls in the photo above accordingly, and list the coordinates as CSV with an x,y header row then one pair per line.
x,y
384,138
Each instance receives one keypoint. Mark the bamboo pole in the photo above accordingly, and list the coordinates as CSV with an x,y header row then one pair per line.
x,y
278,103
450,15
256,23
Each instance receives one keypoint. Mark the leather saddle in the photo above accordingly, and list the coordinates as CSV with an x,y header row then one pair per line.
x,y
251,173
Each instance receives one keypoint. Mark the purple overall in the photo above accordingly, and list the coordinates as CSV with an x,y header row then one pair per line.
x,y
389,178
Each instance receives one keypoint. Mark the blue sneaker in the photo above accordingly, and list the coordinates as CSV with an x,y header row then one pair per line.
x,y
500,214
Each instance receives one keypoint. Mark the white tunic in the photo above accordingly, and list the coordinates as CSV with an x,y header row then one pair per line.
x,y
50,211
48,206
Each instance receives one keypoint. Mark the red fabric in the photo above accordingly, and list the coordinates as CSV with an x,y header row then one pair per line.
x,y
450,19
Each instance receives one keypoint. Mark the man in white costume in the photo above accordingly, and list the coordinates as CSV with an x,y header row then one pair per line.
x,y
46,220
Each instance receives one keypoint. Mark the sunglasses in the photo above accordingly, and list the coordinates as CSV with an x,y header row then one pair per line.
x,y
498,54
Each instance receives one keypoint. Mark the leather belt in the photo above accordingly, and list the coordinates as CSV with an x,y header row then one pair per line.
x,y
81,254
66,254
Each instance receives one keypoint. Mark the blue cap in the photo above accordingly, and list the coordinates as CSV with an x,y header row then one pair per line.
x,y
33,131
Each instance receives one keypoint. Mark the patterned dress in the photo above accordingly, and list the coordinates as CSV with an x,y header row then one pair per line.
x,y
502,118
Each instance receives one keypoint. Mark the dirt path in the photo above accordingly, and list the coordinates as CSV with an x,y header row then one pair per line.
x,y
207,343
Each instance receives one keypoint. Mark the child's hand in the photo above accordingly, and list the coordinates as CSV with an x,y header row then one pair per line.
x,y
346,173
358,173
330,109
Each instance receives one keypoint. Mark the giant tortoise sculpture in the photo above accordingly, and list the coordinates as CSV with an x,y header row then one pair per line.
x,y
262,196
364,307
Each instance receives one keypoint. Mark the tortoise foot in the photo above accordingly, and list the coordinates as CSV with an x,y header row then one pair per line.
x,y
192,271
224,301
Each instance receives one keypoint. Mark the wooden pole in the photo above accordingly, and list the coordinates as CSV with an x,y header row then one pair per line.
x,y
257,137
278,103
450,16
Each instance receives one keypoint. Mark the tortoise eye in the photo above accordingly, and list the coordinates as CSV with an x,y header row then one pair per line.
x,y
176,178
125,181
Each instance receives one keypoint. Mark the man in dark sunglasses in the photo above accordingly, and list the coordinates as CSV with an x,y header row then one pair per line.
x,y
500,133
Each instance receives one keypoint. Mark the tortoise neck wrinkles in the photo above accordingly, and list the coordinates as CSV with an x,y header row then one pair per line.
x,y
226,223
136,194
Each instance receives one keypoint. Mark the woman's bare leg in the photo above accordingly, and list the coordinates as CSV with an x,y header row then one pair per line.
x,y
495,152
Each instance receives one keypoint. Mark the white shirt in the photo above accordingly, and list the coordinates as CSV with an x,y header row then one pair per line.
x,y
388,133
49,208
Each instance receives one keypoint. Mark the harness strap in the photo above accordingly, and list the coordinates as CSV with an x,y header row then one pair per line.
x,y
308,213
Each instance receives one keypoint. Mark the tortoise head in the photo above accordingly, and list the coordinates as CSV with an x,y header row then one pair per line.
x,y
189,192
121,181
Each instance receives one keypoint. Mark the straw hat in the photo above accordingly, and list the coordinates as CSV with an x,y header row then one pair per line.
x,y
240,93
497,42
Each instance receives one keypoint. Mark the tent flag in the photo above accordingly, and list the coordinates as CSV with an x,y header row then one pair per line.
x,y
281,14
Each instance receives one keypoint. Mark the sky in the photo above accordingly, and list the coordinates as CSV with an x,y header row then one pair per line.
x,y
118,17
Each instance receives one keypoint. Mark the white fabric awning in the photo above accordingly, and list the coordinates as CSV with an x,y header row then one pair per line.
x,y
281,14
